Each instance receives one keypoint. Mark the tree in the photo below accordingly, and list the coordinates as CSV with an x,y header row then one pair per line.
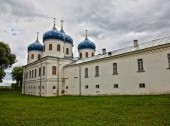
x,y
7,59
17,74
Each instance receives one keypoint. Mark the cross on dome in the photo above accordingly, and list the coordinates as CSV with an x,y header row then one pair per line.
x,y
86,33
37,35
54,22
62,22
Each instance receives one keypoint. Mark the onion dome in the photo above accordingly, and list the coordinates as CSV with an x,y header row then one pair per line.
x,y
86,44
67,38
53,34
35,46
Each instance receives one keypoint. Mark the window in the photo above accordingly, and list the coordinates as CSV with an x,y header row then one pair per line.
x,y
53,70
80,55
142,85
43,70
39,71
27,75
28,57
86,72
86,86
115,86
67,51
39,56
32,73
42,87
97,86
32,56
114,68
54,87
97,71
58,47
140,65
168,59
92,54
44,48
35,72
50,46
86,54
66,87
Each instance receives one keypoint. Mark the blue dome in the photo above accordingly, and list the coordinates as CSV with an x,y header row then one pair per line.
x,y
67,38
86,44
53,34
35,46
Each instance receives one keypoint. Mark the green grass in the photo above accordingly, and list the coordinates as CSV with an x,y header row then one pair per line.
x,y
20,110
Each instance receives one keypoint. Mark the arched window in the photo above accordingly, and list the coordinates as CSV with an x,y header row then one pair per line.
x,y
92,54
39,56
35,73
30,74
44,48
67,51
58,47
80,55
86,54
43,70
53,70
27,75
50,46
32,56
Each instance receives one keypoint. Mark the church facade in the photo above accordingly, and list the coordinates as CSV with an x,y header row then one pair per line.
x,y
52,70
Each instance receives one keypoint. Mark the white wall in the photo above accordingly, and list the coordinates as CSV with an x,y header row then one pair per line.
x,y
155,77
54,51
83,51
70,47
36,53
47,81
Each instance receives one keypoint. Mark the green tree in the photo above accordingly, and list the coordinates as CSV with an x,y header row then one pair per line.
x,y
6,59
17,74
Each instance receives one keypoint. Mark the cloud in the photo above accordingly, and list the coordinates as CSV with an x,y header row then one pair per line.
x,y
21,9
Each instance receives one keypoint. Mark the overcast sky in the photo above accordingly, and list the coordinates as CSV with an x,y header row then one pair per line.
x,y
111,24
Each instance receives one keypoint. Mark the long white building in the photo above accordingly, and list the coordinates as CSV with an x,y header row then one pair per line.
x,y
52,70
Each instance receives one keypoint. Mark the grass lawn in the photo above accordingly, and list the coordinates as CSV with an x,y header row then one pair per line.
x,y
20,110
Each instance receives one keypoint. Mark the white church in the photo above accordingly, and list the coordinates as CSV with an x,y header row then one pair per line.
x,y
51,69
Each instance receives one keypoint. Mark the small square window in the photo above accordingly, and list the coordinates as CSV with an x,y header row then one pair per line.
x,y
115,86
66,87
86,86
54,87
142,85
97,86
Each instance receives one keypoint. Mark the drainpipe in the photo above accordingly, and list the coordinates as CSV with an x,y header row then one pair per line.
x,y
40,75
58,78
79,80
